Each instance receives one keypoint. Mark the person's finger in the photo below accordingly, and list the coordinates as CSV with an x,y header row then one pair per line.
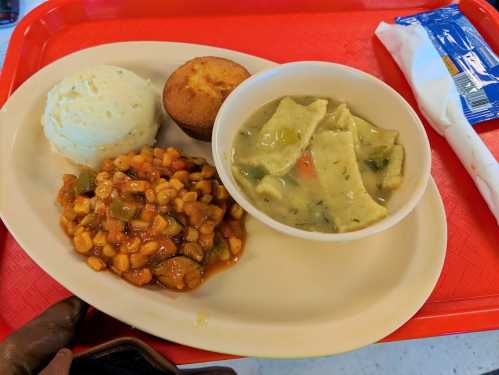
x,y
30,348
60,365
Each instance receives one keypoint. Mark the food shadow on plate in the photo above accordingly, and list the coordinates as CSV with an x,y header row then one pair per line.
x,y
170,134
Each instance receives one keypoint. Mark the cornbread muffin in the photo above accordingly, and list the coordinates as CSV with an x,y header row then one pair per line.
x,y
195,91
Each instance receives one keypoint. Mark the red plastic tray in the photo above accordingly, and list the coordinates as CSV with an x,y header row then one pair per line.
x,y
467,295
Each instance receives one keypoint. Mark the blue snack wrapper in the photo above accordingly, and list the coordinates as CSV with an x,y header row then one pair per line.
x,y
471,62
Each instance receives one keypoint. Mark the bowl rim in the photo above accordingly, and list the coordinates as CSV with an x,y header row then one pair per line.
x,y
225,175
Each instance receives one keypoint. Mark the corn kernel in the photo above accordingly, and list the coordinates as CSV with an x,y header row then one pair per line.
x,y
102,176
182,176
137,160
81,205
139,225
104,189
190,196
131,246
107,165
207,171
83,242
204,186
207,227
159,224
138,277
173,152
158,152
121,262
216,213
176,184
63,221
93,200
69,213
191,235
79,230
138,260
122,162
148,212
146,151
206,240
165,196
149,248
100,238
137,186
108,251
167,160
96,264
89,220
119,177
161,186
196,176
178,205
150,196
221,193
207,198
71,228
100,207
235,245
236,211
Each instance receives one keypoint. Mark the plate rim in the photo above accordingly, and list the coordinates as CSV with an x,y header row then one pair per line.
x,y
5,153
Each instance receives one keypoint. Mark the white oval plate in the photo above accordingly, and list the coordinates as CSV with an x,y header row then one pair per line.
x,y
286,297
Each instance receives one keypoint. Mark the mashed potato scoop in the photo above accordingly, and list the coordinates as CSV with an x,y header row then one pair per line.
x,y
100,113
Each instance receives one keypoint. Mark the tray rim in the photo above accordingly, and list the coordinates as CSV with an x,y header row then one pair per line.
x,y
431,205
429,321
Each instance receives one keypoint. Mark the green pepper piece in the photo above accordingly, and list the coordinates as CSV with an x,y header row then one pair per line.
x,y
253,173
376,164
89,220
379,158
85,182
174,227
289,180
121,210
219,251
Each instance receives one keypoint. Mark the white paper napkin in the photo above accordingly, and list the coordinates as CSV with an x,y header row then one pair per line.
x,y
439,102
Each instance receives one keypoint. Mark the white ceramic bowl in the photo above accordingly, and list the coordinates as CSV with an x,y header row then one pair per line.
x,y
366,96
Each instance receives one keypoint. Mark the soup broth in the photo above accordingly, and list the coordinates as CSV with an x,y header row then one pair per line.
x,y
308,162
